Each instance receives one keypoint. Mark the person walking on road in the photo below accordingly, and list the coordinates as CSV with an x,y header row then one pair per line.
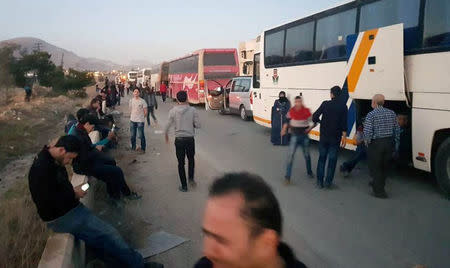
x,y
243,225
150,98
163,90
185,120
381,133
332,116
138,108
58,205
299,119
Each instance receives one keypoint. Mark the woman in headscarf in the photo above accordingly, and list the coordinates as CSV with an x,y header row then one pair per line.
x,y
279,110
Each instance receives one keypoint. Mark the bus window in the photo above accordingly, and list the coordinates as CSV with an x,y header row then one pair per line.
x,y
299,43
215,59
436,31
256,65
389,12
331,34
273,51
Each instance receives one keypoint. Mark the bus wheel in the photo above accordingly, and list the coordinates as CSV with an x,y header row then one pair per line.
x,y
442,167
243,113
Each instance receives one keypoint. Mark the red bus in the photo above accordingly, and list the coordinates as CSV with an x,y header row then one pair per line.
x,y
203,69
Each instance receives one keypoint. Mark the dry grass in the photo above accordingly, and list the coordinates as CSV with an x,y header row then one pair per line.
x,y
22,233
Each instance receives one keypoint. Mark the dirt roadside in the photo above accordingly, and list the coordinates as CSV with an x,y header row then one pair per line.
x,y
27,126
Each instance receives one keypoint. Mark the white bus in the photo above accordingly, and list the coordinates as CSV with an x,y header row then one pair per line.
x,y
143,76
159,74
132,76
399,48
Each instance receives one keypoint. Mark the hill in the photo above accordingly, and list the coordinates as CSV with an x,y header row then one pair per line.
x,y
71,60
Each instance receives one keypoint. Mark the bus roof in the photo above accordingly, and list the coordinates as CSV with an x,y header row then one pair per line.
x,y
342,3
205,50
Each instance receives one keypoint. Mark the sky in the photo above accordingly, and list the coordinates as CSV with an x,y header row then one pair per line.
x,y
126,31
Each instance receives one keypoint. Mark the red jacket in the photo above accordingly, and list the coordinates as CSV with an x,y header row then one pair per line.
x,y
163,88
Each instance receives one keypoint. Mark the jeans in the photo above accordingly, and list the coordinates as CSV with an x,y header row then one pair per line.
x,y
163,96
360,154
185,147
140,127
98,235
330,151
104,168
151,111
296,141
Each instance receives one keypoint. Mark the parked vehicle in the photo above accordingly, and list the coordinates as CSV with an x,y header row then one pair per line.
x,y
143,76
236,98
159,74
132,76
203,69
397,48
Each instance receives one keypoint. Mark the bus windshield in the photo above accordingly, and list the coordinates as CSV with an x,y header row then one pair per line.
x,y
215,59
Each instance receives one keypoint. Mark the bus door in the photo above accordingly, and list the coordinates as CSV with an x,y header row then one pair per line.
x,y
257,100
376,64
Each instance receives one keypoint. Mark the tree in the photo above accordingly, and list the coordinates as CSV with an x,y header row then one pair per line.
x,y
6,79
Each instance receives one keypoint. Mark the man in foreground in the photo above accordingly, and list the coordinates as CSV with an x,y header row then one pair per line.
x,y
381,132
332,116
299,119
185,119
242,226
58,204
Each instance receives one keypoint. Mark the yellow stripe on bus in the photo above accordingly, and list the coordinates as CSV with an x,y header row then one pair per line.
x,y
360,59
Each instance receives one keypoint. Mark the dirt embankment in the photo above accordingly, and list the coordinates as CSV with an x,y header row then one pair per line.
x,y
25,127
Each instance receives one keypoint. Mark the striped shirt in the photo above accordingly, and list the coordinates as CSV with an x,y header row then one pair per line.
x,y
381,123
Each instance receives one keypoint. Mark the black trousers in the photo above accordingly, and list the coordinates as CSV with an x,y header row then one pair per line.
x,y
163,96
185,147
104,168
379,156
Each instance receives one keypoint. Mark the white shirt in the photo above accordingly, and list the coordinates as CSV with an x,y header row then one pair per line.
x,y
137,109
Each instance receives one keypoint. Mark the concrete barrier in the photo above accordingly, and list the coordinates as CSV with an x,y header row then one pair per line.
x,y
63,250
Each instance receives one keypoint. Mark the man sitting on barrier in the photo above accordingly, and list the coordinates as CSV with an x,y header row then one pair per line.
x,y
58,204
92,162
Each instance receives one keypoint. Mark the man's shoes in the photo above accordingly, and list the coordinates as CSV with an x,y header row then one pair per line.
x,y
133,196
183,189
139,150
287,181
381,195
371,183
319,185
344,171
153,265
311,175
330,186
192,183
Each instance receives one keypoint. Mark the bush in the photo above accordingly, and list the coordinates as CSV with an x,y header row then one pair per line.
x,y
23,235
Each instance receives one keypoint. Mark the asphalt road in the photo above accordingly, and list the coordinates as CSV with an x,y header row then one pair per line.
x,y
344,227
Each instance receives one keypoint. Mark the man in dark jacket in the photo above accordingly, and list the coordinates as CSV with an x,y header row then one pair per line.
x,y
58,204
92,162
332,116
242,226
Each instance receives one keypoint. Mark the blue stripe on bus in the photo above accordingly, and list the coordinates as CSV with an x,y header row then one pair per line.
x,y
351,114
351,40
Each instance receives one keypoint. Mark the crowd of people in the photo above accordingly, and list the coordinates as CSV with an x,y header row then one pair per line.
x,y
242,222
381,136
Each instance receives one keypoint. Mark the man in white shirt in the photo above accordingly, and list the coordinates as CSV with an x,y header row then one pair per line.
x,y
138,108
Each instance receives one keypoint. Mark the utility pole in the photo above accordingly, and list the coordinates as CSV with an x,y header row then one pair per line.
x,y
62,61
37,46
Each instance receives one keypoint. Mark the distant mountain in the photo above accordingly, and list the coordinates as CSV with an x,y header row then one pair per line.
x,y
71,60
